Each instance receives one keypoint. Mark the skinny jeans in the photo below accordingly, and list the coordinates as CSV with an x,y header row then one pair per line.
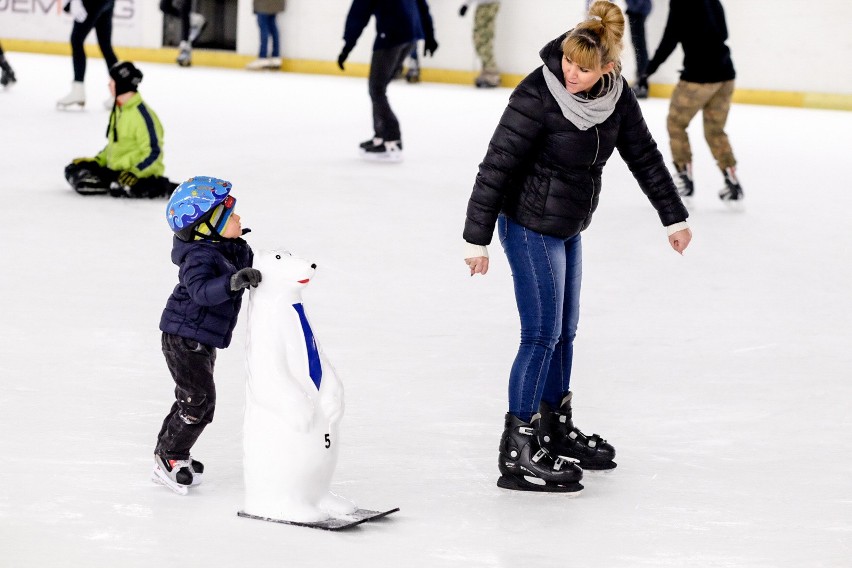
x,y
268,29
546,272
99,19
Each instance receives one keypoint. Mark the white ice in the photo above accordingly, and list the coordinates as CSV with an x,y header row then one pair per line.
x,y
722,377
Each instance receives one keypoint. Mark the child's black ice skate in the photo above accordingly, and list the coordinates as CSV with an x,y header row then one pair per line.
x,y
174,474
558,435
525,466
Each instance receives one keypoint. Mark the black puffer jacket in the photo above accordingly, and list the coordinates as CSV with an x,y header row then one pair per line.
x,y
545,173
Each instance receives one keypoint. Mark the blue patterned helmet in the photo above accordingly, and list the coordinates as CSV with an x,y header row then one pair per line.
x,y
200,207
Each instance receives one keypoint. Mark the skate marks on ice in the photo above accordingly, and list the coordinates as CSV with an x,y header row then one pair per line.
x,y
332,523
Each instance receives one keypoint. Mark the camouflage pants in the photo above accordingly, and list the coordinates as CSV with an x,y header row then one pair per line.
x,y
714,102
483,34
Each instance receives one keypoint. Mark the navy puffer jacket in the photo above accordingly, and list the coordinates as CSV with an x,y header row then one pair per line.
x,y
202,306
545,173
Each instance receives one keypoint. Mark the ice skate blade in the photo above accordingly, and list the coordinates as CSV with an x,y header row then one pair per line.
x,y
70,106
382,158
159,476
521,484
734,205
599,469
333,523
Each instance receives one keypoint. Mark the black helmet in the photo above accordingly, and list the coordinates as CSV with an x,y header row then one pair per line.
x,y
126,76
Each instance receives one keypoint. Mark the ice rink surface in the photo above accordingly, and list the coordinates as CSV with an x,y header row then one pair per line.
x,y
721,377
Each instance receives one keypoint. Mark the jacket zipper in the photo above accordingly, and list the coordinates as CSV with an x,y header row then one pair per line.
x,y
595,159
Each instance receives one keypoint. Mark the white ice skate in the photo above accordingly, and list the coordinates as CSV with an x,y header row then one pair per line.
x,y
174,474
76,99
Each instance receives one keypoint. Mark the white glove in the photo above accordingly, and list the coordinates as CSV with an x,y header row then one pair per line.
x,y
78,11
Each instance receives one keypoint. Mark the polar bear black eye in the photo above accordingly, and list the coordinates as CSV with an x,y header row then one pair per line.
x,y
278,256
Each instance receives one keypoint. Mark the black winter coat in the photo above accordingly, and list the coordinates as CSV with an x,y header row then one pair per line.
x,y
397,22
545,173
699,27
202,306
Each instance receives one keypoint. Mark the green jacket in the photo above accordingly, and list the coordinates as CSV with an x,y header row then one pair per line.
x,y
134,140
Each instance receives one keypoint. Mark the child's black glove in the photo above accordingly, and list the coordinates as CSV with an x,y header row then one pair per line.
x,y
245,278
463,10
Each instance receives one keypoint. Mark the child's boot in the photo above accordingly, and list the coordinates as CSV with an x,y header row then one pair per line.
x,y
558,435
75,99
526,466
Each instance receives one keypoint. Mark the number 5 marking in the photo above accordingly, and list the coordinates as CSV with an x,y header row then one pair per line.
x,y
327,440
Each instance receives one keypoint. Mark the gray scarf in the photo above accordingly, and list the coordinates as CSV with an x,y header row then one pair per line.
x,y
581,112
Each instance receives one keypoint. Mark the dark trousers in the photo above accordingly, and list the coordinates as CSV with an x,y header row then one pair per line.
x,y
637,36
89,178
383,66
101,21
191,365
179,9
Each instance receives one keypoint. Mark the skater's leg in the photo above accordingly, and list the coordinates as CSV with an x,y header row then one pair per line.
x,y
559,373
79,31
715,116
538,264
383,65
191,365
484,20
687,99
263,25
274,35
103,31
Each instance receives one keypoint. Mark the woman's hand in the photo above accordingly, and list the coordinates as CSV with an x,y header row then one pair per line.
x,y
679,240
477,264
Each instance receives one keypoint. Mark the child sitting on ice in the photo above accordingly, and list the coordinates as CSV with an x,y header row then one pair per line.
x,y
131,164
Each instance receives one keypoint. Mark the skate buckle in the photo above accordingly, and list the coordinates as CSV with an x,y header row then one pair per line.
x,y
526,430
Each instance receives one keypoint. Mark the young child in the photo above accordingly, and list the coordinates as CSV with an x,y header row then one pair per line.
x,y
131,164
200,315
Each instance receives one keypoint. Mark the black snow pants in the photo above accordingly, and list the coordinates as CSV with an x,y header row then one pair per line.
x,y
191,365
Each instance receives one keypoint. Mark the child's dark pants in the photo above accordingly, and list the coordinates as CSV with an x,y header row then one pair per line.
x,y
191,365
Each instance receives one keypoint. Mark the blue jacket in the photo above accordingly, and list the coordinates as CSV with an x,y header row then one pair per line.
x,y
642,7
202,306
397,22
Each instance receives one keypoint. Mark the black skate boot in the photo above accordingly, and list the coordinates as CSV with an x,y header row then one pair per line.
x,y
558,435
732,191
174,474
7,76
382,150
374,141
683,181
413,75
525,466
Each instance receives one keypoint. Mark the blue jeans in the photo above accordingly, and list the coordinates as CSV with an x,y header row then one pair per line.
x,y
546,272
268,27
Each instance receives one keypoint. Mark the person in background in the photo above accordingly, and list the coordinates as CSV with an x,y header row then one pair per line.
x,y
88,15
131,164
267,13
539,183
191,26
484,19
706,84
637,12
399,24
7,75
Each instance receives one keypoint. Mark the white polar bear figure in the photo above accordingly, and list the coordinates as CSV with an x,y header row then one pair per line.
x,y
294,401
